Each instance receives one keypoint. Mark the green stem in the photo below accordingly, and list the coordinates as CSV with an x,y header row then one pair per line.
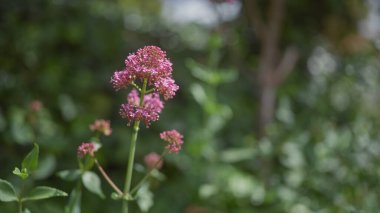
x,y
147,175
20,196
128,178
20,206
149,91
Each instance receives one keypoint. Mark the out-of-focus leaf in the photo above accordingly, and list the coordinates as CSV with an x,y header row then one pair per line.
x,y
144,198
44,192
7,191
158,175
30,162
69,175
284,112
46,167
198,93
92,182
207,190
68,108
236,155
22,133
198,71
26,211
74,205
240,185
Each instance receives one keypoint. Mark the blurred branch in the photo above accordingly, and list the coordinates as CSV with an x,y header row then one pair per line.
x,y
288,61
255,18
276,16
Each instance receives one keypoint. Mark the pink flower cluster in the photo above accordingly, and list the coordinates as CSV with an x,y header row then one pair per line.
x,y
102,126
148,63
148,112
152,161
175,140
86,148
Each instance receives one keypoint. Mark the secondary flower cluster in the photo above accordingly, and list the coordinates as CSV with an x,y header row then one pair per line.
x,y
148,63
148,112
86,148
101,126
175,140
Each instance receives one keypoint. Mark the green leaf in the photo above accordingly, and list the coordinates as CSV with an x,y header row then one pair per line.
x,y
30,162
92,182
22,174
26,211
237,154
46,167
7,191
145,198
69,175
74,205
44,192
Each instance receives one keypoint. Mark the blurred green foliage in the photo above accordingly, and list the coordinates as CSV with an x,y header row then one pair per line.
x,y
320,155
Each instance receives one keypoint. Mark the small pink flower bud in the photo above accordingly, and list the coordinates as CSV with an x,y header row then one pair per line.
x,y
152,161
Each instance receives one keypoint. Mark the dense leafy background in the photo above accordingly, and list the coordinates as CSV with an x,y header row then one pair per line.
x,y
321,154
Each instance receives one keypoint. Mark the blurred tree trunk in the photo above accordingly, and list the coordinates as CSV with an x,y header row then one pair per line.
x,y
274,65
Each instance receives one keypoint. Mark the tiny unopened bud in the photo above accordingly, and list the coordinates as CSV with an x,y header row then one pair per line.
x,y
152,161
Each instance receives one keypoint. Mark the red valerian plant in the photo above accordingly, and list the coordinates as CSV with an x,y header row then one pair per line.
x,y
149,72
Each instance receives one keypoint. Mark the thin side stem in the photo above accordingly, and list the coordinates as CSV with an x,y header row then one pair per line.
x,y
20,195
135,86
128,178
149,91
147,175
108,179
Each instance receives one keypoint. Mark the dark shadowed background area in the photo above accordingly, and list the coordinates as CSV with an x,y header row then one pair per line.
x,y
279,100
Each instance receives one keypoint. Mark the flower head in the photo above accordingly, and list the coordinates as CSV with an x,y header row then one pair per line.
x,y
175,140
148,112
152,161
102,126
149,63
86,148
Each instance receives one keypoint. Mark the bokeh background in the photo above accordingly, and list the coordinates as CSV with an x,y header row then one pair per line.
x,y
279,100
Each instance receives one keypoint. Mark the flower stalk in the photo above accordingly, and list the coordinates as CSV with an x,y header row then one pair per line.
x,y
128,178
107,178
